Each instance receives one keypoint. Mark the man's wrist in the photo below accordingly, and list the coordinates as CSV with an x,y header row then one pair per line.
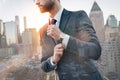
x,y
53,65
53,62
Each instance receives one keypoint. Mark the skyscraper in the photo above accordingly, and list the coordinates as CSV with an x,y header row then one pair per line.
x,y
11,32
96,16
1,27
17,22
3,38
112,51
1,32
25,22
30,37
112,21
111,48
34,39
111,26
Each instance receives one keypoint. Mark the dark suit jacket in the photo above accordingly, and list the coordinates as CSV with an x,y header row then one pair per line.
x,y
83,47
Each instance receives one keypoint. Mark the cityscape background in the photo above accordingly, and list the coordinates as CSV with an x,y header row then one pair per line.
x,y
10,8
19,38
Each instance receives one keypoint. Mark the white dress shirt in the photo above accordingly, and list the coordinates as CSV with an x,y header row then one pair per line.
x,y
58,18
66,37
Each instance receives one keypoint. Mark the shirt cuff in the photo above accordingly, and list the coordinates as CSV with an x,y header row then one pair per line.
x,y
53,64
65,39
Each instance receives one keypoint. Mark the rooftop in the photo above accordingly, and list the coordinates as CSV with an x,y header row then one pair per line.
x,y
95,7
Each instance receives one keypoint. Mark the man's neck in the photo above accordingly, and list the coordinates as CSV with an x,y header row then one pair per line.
x,y
54,11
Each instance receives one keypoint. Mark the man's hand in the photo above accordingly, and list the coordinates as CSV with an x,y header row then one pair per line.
x,y
58,52
54,32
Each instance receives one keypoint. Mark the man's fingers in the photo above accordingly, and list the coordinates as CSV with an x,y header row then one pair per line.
x,y
54,32
60,46
51,27
50,31
60,50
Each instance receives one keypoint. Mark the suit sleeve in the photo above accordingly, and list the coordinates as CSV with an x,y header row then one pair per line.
x,y
85,44
47,66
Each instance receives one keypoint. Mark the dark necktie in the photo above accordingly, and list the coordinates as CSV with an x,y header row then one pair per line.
x,y
52,21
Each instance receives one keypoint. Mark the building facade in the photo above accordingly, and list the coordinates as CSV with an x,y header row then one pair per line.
x,y
112,21
30,37
96,16
11,32
1,32
17,22
2,35
109,36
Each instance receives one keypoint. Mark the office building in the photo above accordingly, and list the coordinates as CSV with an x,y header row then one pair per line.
x,y
17,22
11,32
112,21
96,16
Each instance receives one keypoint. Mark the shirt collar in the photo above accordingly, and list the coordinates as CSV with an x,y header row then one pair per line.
x,y
58,15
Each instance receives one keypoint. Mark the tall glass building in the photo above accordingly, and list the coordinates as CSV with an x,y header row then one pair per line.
x,y
112,21
11,32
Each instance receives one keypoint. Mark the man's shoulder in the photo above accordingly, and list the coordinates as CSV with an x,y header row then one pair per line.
x,y
80,12
76,13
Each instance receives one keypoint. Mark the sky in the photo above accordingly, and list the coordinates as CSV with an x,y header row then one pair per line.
x,y
10,8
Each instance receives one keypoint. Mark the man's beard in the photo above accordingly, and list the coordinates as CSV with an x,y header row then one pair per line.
x,y
47,7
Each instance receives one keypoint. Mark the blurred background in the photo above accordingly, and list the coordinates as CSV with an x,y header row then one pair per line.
x,y
20,52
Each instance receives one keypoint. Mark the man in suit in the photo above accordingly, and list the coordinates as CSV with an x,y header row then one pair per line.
x,y
70,44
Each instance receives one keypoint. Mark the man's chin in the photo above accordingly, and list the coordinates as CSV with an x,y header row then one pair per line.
x,y
42,11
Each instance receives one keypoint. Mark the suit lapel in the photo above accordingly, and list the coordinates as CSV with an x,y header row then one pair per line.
x,y
64,19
